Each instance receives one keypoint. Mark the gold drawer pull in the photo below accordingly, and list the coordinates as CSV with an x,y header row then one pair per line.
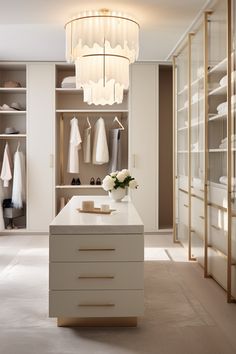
x,y
216,227
96,305
185,205
95,249
201,217
96,277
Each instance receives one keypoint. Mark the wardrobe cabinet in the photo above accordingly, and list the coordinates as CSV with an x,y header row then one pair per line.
x,y
143,141
40,152
208,54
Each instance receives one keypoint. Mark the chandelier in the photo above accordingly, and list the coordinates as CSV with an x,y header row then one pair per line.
x,y
102,44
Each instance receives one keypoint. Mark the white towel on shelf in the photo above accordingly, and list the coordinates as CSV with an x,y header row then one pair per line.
x,y
74,146
18,188
6,174
223,81
68,82
100,147
224,180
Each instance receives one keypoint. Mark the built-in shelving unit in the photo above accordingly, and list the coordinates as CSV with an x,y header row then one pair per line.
x,y
206,196
69,104
13,74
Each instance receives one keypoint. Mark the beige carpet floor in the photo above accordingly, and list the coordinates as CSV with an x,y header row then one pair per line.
x,y
184,313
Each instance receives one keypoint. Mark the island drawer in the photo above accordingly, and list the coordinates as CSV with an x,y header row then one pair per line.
x,y
96,248
88,276
99,303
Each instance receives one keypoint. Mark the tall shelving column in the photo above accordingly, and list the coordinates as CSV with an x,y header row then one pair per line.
x,y
17,119
181,156
69,104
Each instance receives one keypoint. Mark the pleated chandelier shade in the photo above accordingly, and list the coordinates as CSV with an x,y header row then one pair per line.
x,y
102,44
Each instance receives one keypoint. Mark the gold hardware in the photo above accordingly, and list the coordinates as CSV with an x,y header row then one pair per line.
x,y
96,249
96,305
96,277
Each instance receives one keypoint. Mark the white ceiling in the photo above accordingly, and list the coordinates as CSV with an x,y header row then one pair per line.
x,y
33,29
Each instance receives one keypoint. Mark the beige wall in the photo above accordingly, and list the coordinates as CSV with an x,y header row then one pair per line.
x,y
165,148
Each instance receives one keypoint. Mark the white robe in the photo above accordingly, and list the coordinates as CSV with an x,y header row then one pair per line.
x,y
6,174
18,188
100,147
74,146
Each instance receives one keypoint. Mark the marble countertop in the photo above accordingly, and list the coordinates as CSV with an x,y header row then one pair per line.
x,y
124,219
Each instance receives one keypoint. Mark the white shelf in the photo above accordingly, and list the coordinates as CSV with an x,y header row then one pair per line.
x,y
220,67
182,151
92,111
14,231
80,186
12,112
12,136
217,117
218,150
182,109
219,91
183,91
12,89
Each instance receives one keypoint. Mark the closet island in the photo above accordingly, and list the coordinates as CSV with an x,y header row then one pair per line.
x,y
96,265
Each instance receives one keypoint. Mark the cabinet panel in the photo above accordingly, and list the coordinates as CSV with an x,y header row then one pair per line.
x,y
40,98
144,141
103,303
99,276
90,248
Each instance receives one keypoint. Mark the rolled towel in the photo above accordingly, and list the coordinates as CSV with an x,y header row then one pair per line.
x,y
224,180
223,81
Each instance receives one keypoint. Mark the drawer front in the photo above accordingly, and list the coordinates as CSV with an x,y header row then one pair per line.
x,y
99,276
217,229
217,264
107,303
98,248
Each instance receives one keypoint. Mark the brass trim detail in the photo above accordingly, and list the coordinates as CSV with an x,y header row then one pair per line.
x,y
96,277
95,249
216,206
229,151
174,93
61,148
97,322
99,16
96,305
105,55
216,227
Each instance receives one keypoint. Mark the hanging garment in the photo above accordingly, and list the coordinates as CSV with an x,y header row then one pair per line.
x,y
100,148
18,187
2,225
6,174
114,150
87,145
74,147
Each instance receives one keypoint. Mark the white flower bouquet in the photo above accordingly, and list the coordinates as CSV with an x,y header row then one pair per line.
x,y
119,179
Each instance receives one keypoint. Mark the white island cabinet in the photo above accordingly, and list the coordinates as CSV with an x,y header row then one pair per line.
x,y
96,265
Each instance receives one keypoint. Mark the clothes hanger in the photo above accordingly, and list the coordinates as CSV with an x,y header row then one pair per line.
x,y
89,124
117,120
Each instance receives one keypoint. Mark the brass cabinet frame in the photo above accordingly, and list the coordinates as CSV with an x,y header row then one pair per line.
x,y
230,126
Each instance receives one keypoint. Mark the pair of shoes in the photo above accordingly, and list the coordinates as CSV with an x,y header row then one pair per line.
x,y
98,181
75,181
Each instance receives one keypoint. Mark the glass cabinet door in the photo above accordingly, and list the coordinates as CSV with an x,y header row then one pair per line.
x,y
197,148
182,202
217,143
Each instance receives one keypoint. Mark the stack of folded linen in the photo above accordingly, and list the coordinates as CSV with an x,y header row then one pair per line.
x,y
223,81
222,108
14,106
223,144
68,82
224,180
198,183
194,147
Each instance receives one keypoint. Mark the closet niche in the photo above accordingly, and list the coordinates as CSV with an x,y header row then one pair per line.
x,y
69,105
13,136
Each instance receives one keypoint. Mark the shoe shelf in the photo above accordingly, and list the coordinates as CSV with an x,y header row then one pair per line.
x,y
12,136
91,111
81,186
12,90
13,112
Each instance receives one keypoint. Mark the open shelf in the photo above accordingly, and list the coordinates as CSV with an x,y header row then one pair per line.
x,y
219,91
92,110
220,67
80,186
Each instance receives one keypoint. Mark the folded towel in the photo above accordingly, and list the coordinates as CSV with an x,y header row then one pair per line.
x,y
223,81
68,82
224,180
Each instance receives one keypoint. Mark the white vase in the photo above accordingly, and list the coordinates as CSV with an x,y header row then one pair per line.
x,y
118,194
